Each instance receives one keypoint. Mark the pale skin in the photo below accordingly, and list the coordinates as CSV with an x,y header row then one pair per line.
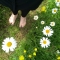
x,y
13,18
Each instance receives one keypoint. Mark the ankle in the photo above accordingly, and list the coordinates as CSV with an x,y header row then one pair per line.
x,y
14,14
23,17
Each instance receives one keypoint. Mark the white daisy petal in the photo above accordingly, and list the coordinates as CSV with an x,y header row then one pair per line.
x,y
11,49
3,43
3,48
43,38
46,46
6,40
7,50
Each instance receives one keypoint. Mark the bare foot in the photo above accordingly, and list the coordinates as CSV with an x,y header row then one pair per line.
x,y
12,19
22,21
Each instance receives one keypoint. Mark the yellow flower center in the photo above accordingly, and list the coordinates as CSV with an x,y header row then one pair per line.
x,y
47,31
9,44
52,23
54,10
44,42
42,22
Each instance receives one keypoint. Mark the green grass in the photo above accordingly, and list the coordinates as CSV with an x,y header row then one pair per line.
x,y
29,37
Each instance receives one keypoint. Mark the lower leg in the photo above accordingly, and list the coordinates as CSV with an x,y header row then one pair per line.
x,y
23,18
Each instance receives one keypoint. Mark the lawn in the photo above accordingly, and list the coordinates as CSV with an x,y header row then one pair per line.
x,y
28,38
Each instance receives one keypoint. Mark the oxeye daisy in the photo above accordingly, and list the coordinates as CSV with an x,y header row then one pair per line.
x,y
47,31
52,23
42,22
36,17
54,10
9,44
44,42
